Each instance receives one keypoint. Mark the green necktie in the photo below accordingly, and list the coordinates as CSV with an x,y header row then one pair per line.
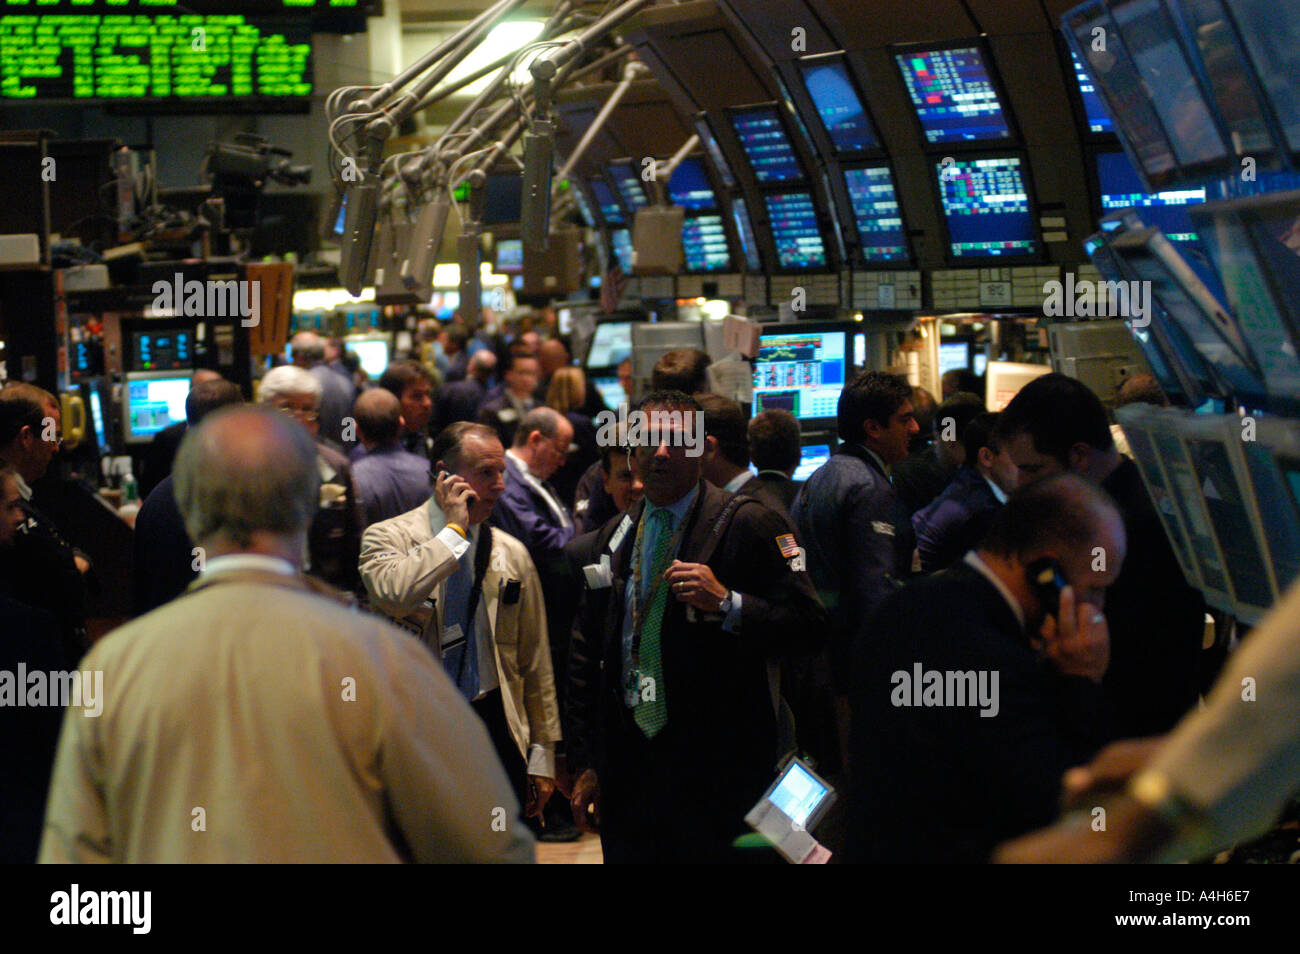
x,y
652,714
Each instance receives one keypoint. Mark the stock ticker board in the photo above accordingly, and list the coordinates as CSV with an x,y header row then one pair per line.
x,y
117,57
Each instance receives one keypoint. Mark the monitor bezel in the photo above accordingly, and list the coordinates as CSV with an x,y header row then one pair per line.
x,y
827,144
1038,256
129,378
860,258
815,424
1012,140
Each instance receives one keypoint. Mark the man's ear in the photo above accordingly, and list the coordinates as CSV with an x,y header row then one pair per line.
x,y
986,457
1080,460
710,447
871,429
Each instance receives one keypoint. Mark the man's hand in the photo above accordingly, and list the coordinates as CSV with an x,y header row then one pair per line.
x,y
83,565
586,798
453,495
695,584
539,793
1076,640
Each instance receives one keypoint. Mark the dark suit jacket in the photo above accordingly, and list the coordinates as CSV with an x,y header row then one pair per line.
x,y
592,504
40,570
721,723
458,401
158,456
920,478
955,521
498,413
775,490
944,784
334,537
164,555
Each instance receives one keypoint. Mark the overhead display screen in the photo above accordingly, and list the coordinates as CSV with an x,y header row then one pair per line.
x,y
794,229
745,229
954,95
766,145
629,185
704,241
610,210
689,186
875,207
155,57
1094,106
1121,188
986,207
1271,32
843,115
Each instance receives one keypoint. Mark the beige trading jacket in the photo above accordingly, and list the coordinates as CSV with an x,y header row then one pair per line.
x,y
403,564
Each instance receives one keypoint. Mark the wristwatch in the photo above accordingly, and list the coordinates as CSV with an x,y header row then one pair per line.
x,y
725,606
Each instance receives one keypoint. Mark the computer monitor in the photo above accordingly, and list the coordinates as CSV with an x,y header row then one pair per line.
x,y
1251,242
622,242
811,457
1121,85
169,350
986,206
508,257
1137,423
802,372
953,93
980,364
1094,107
1120,187
610,210
876,212
704,243
954,356
1271,33
152,401
503,199
611,344
1272,486
628,181
745,232
1006,378
611,391
690,188
798,238
1211,449
766,145
715,152
1216,337
840,106
373,352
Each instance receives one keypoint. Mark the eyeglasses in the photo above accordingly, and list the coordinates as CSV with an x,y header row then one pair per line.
x,y
304,415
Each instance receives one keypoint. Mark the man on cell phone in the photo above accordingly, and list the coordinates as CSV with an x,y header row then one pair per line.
x,y
471,594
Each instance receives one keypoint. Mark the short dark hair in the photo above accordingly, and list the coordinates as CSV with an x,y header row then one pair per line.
x,y
774,440
1141,389
670,399
1057,412
924,404
206,396
544,420
22,405
609,451
457,334
961,409
515,356
400,375
685,369
446,446
872,395
962,380
1059,511
979,434
724,419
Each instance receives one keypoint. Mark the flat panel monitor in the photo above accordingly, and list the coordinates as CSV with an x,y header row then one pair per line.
x,y
629,185
611,391
1254,246
704,242
503,197
1271,33
171,350
622,240
876,211
839,106
766,145
1006,378
802,372
1121,187
508,257
811,457
1149,257
1120,84
611,344
745,231
953,93
1274,483
1094,107
986,207
795,230
1151,37
152,401
1234,525
689,186
715,152
374,354
1135,421
954,356
610,210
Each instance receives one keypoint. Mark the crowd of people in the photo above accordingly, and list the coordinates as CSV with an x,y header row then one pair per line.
x,y
433,618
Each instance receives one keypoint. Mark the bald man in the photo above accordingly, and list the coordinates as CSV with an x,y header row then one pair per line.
x,y
389,479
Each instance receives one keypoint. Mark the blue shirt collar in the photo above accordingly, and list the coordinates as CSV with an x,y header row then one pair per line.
x,y
679,509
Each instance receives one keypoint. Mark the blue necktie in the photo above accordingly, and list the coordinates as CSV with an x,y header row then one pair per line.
x,y
461,662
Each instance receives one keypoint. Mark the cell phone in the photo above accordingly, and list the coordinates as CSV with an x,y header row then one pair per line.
x,y
1046,578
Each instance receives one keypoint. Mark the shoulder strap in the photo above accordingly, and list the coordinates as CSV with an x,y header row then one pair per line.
x,y
482,557
720,524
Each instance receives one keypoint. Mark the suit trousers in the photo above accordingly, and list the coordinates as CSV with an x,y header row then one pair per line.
x,y
492,710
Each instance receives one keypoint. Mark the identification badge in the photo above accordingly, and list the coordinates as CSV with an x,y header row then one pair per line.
x,y
452,638
624,526
632,688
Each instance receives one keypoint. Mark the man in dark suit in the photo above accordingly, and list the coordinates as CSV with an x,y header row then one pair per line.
x,y
972,696
504,406
460,400
1055,425
159,453
674,728
774,445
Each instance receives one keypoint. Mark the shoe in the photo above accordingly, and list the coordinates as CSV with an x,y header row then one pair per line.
x,y
559,833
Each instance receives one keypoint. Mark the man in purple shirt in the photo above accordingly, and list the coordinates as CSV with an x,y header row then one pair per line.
x,y
389,479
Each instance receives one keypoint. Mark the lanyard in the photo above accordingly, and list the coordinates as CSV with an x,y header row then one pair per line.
x,y
639,612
